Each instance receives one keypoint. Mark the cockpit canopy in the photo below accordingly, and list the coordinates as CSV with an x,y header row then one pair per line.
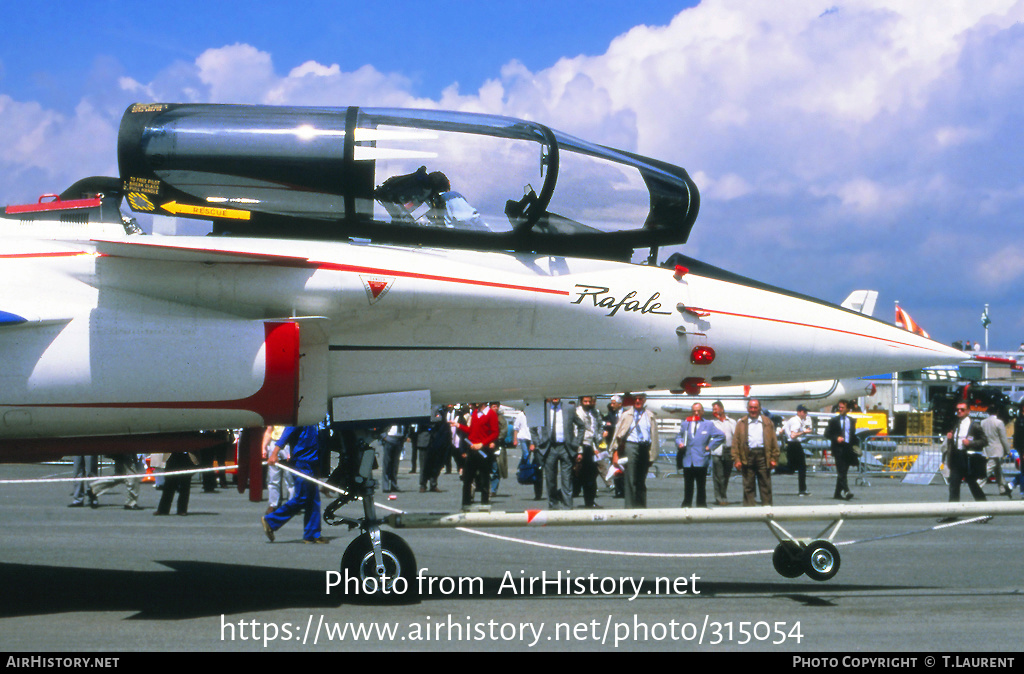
x,y
402,176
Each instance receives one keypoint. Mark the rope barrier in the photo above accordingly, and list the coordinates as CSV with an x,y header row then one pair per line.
x,y
334,488
618,553
510,539
126,476
190,471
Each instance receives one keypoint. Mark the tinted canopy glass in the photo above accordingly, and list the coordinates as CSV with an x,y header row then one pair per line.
x,y
421,176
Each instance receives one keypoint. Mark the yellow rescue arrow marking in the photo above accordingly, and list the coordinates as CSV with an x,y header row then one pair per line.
x,y
205,211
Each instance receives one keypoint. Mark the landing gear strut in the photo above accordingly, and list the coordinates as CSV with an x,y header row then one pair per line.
x,y
381,560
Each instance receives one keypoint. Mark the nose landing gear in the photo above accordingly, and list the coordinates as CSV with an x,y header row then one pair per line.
x,y
381,561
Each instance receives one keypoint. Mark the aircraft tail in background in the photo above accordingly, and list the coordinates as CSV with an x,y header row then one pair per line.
x,y
903,320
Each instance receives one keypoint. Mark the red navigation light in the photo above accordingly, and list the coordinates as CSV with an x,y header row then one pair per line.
x,y
702,355
693,385
681,271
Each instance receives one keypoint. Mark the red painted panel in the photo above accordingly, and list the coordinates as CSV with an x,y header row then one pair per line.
x,y
55,205
277,401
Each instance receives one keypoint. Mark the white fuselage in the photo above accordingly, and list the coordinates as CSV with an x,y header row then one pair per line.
x,y
188,333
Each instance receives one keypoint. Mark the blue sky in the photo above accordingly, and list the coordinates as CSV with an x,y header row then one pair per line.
x,y
433,44
837,144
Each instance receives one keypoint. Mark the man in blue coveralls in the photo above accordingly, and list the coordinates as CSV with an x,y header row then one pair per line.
x,y
305,457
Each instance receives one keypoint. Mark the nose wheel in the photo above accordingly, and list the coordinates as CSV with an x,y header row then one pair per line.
x,y
393,577
381,561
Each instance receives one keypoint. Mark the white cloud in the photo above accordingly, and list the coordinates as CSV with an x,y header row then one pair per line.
x,y
236,73
1000,267
725,188
951,136
863,196
314,68
42,143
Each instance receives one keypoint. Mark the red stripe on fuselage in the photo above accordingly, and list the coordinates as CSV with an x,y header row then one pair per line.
x,y
432,277
15,256
891,342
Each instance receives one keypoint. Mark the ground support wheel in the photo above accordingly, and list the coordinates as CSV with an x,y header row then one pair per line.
x,y
399,577
788,559
821,560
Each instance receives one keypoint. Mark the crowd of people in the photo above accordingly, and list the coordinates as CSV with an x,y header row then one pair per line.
x,y
577,446
172,476
575,451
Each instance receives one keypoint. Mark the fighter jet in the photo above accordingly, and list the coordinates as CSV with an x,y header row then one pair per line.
x,y
377,262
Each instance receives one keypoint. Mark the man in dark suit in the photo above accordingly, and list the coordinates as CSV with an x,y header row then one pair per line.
x,y
841,432
558,441
964,455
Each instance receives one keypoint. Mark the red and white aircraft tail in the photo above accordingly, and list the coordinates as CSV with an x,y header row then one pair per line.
x,y
904,321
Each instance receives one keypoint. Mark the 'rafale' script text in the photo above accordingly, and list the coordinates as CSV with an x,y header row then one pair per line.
x,y
602,298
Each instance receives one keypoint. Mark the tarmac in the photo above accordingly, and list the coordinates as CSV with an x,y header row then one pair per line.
x,y
108,580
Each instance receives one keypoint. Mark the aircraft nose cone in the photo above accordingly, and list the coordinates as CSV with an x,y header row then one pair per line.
x,y
843,344
887,348
928,352
773,336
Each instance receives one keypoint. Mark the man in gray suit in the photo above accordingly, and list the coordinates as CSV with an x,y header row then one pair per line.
x,y
637,446
998,446
557,442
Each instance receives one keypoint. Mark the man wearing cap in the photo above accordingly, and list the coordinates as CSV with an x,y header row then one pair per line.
x,y
796,428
